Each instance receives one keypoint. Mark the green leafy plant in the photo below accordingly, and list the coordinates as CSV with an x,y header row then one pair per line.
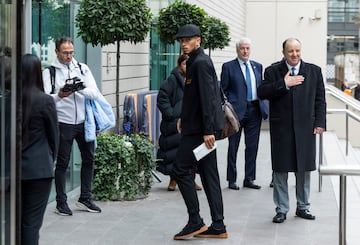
x,y
108,21
214,32
123,166
175,15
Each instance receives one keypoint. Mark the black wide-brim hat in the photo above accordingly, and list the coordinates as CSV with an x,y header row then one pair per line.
x,y
188,30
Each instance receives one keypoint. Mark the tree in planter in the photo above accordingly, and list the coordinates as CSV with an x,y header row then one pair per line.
x,y
107,21
215,33
175,15
123,166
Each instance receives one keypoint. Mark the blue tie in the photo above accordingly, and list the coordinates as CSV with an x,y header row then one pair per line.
x,y
248,82
292,71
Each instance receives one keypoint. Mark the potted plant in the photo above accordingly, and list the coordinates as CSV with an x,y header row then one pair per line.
x,y
123,167
215,33
106,22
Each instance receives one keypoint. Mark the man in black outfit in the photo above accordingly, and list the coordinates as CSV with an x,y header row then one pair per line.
x,y
201,117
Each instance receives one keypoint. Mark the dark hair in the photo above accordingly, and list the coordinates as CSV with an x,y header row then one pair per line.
x,y
181,59
62,40
32,81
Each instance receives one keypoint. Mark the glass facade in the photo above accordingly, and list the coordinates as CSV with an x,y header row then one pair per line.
x,y
343,39
163,58
51,20
342,10
10,50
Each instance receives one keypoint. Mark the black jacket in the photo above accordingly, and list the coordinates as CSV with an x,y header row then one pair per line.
x,y
201,109
169,101
39,153
294,113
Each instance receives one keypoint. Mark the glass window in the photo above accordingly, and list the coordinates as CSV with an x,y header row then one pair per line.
x,y
52,19
163,59
8,136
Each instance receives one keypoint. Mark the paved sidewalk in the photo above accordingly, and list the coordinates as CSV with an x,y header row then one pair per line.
x,y
155,219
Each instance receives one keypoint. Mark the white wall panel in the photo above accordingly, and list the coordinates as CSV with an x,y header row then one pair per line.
x,y
233,13
270,22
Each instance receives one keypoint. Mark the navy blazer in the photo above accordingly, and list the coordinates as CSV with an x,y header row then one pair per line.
x,y
234,86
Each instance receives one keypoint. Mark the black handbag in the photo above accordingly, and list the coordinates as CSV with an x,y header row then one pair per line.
x,y
232,124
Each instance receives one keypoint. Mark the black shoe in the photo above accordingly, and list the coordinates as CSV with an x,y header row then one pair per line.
x,y
271,184
87,205
250,184
62,208
213,233
305,214
234,186
279,218
191,230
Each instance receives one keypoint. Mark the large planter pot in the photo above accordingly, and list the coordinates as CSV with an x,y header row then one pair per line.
x,y
123,166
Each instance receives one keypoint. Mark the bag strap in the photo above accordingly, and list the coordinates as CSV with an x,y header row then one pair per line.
x,y
223,96
52,78
81,71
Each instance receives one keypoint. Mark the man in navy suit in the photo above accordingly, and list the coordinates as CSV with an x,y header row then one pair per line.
x,y
239,80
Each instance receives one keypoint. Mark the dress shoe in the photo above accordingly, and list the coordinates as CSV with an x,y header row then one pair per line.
x,y
271,184
279,218
233,186
250,184
305,214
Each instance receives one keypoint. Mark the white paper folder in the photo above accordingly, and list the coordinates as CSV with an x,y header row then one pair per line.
x,y
202,150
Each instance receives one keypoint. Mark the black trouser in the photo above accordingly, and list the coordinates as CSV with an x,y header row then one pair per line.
x,y
35,195
68,133
207,168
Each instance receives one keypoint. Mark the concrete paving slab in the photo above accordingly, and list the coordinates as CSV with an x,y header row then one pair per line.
x,y
155,219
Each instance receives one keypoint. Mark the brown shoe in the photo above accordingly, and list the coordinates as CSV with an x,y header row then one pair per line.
x,y
172,185
198,187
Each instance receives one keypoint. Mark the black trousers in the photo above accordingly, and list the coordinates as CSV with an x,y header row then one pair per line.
x,y
208,171
34,194
68,133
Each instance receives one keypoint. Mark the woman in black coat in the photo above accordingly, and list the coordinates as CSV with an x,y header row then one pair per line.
x,y
40,140
169,102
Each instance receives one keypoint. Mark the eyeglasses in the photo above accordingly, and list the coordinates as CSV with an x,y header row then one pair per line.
x,y
66,53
